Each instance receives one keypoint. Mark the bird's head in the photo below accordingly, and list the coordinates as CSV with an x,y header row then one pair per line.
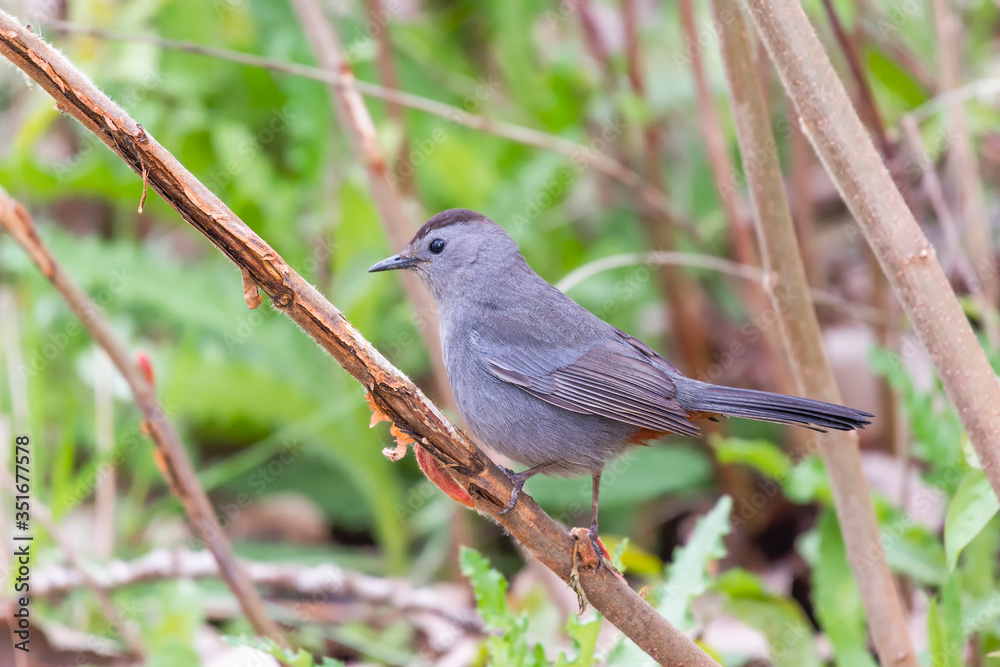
x,y
456,251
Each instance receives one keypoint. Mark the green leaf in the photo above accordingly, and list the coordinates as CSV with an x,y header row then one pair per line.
x,y
298,658
970,510
510,648
782,620
837,599
808,482
688,576
944,626
761,455
584,637
488,585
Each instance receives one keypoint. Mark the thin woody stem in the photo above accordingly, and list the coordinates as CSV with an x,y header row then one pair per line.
x,y
392,392
800,329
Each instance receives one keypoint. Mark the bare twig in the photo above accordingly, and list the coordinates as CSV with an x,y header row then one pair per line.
x,y
694,260
378,18
802,334
394,394
801,164
740,224
953,242
893,49
683,295
962,154
40,512
360,129
593,38
104,435
313,582
741,231
955,97
881,296
906,256
203,521
579,153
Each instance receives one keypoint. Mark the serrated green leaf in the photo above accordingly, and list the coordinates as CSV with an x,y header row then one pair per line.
x,y
584,637
488,585
970,510
510,648
687,576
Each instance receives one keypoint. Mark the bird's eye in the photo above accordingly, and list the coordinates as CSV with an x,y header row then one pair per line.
x,y
436,246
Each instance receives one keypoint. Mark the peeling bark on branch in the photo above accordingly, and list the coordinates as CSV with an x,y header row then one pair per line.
x,y
391,391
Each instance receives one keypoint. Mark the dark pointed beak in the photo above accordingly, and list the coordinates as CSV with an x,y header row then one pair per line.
x,y
394,262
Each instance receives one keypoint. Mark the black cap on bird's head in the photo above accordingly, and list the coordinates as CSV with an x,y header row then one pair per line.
x,y
456,249
440,222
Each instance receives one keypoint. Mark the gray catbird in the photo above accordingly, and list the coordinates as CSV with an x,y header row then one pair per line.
x,y
543,381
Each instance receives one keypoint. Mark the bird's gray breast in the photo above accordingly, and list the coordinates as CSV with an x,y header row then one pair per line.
x,y
513,422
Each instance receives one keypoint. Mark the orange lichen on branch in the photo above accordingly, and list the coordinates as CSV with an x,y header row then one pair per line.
x,y
377,414
403,440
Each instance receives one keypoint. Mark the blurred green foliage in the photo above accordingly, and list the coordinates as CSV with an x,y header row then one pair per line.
x,y
263,410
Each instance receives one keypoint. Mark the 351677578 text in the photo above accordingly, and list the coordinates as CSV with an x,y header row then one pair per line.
x,y
22,541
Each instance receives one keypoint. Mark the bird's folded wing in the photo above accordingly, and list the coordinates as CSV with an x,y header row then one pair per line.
x,y
613,380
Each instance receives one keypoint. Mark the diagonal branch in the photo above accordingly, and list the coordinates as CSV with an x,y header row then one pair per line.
x,y
360,130
390,390
180,473
579,153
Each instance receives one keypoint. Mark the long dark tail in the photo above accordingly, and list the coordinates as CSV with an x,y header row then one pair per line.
x,y
764,406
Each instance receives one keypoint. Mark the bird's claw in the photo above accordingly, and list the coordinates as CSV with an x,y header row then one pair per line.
x,y
518,481
598,547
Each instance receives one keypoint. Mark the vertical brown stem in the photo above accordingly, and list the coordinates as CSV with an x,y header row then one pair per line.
x,y
682,293
906,256
361,129
964,162
797,318
801,200
881,296
379,18
735,481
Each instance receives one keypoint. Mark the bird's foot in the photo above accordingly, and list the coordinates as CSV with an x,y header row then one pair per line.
x,y
517,479
599,549
585,558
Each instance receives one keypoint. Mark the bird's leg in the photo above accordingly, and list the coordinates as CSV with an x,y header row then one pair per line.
x,y
518,479
592,533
